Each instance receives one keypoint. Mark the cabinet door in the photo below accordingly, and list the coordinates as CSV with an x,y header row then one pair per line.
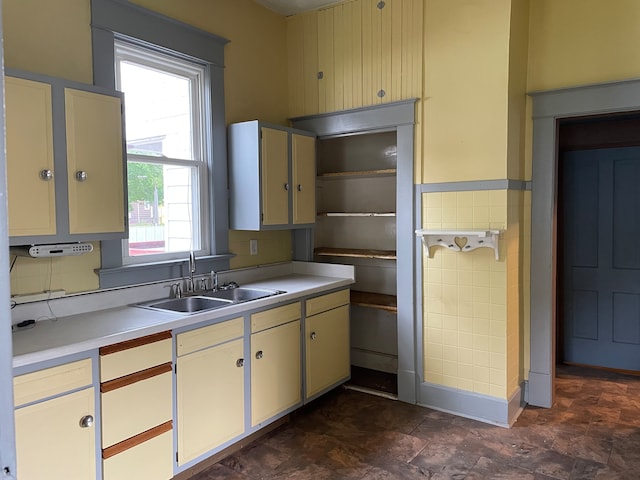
x,y
32,207
275,176
275,371
50,441
210,399
303,155
327,349
94,162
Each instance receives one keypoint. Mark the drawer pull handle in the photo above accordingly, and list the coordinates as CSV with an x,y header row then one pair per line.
x,y
86,421
46,175
313,335
299,187
259,354
240,362
81,176
286,187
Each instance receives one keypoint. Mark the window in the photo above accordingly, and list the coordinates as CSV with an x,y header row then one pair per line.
x,y
176,145
166,155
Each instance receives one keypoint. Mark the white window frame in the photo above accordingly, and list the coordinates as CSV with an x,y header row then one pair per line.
x,y
196,73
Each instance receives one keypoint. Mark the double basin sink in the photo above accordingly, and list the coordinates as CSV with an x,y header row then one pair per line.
x,y
209,300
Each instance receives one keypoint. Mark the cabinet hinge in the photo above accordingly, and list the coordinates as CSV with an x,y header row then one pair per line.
x,y
261,217
176,457
175,368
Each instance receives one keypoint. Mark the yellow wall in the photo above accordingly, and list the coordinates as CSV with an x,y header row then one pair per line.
x,y
53,37
466,64
577,42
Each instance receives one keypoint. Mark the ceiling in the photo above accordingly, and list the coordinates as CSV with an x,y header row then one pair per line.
x,y
291,7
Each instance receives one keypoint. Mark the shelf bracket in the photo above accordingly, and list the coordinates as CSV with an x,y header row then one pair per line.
x,y
460,240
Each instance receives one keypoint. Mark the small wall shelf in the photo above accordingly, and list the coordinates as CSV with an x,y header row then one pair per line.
x,y
460,240
385,172
356,214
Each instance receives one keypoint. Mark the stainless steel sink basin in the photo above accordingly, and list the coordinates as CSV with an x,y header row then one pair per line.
x,y
192,304
241,294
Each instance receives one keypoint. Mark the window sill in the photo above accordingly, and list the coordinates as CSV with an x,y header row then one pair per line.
x,y
157,271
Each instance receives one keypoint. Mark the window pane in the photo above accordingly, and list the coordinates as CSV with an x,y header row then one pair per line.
x,y
158,112
162,208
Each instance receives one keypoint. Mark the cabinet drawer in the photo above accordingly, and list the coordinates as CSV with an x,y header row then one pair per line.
x,y
150,460
200,338
52,381
327,302
133,409
274,317
131,359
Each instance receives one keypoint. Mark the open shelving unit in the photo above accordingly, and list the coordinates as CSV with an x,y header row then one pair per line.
x,y
356,224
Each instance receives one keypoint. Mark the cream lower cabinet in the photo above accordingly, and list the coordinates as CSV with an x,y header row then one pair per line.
x,y
326,342
275,362
137,409
210,388
56,435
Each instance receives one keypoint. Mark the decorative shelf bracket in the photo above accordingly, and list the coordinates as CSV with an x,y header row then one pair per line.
x,y
460,240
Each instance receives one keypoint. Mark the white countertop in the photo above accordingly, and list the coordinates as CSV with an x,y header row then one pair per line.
x,y
67,334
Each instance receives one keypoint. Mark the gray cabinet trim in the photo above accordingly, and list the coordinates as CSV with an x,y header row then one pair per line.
x,y
548,107
7,432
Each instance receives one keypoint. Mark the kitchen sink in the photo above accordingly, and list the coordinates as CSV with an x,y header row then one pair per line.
x,y
242,294
209,300
192,304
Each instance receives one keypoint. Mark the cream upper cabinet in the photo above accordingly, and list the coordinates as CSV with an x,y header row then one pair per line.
x,y
275,362
95,169
210,388
326,342
65,163
45,413
29,144
271,180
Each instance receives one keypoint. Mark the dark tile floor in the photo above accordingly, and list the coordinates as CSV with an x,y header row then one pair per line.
x,y
592,431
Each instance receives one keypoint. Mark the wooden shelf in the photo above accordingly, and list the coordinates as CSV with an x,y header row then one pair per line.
x,y
380,301
356,214
356,253
386,172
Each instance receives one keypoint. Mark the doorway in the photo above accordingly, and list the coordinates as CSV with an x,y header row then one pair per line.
x,y
598,262
548,108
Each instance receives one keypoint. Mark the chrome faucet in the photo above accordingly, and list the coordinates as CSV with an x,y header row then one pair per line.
x,y
214,280
192,269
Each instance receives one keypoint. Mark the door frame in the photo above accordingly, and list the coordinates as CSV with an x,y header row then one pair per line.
x,y
547,108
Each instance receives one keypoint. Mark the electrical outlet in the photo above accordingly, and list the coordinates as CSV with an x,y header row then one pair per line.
x,y
253,247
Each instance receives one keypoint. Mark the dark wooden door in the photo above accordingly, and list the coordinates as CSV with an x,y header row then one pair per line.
x,y
599,226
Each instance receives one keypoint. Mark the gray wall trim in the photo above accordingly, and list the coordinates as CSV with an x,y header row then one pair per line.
x,y
475,185
548,107
377,117
7,429
493,410
137,22
399,116
111,18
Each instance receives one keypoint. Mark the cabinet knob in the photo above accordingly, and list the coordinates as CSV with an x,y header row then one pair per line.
x,y
313,335
259,354
286,187
81,176
299,187
86,421
46,175
240,362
